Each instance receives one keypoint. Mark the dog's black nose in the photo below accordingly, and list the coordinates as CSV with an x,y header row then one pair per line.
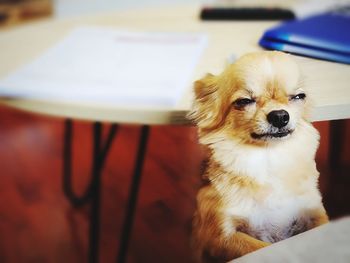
x,y
278,118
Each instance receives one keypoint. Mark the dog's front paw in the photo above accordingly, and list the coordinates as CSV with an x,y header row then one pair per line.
x,y
265,244
237,249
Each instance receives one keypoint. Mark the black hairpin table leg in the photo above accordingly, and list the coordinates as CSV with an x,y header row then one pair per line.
x,y
92,193
133,194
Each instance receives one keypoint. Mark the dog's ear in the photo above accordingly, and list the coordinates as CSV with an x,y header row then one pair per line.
x,y
206,107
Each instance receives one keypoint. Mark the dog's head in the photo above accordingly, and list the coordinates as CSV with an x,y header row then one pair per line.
x,y
256,100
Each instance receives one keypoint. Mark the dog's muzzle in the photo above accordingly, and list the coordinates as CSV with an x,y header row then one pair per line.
x,y
278,120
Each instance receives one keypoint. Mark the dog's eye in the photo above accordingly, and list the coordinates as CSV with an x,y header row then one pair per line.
x,y
239,103
300,96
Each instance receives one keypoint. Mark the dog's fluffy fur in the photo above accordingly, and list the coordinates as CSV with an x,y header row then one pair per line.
x,y
261,180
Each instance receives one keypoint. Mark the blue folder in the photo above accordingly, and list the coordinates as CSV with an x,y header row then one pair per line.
x,y
324,36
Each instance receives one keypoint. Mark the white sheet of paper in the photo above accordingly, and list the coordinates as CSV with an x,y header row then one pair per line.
x,y
105,65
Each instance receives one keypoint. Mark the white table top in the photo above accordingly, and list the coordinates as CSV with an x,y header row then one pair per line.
x,y
328,82
327,243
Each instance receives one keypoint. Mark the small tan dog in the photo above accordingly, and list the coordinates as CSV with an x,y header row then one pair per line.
x,y
262,182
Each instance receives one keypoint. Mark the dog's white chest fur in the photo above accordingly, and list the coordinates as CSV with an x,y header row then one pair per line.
x,y
288,173
278,217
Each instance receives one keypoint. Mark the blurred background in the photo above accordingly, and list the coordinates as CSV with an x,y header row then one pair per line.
x,y
15,11
37,223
